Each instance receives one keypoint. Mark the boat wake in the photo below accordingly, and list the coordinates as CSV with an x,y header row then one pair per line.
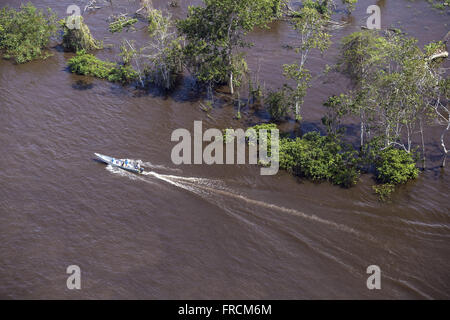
x,y
158,167
203,186
210,190
217,193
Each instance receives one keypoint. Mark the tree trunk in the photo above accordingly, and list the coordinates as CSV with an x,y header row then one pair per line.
x,y
239,104
443,144
231,83
362,134
423,145
297,106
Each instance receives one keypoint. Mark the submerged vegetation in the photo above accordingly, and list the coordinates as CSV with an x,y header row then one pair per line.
x,y
395,166
319,158
440,4
163,53
120,23
75,39
327,158
397,87
87,64
157,22
215,31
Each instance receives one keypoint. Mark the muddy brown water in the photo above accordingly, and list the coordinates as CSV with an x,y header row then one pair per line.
x,y
198,231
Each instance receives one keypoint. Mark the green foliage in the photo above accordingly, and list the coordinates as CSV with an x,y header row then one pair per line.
x,y
239,69
361,54
75,39
327,158
25,34
350,4
384,191
337,108
166,65
87,64
267,138
264,126
302,77
440,4
309,22
127,52
277,103
157,22
394,85
319,158
121,23
434,47
164,52
315,157
277,7
395,166
215,30
123,74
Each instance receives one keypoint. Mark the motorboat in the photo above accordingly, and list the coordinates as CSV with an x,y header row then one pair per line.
x,y
125,164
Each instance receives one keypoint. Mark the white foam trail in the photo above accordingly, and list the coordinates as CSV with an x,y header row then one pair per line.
x,y
166,179
191,183
157,166
203,181
124,173
287,210
194,184
197,185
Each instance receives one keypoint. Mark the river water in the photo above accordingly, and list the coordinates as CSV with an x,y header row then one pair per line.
x,y
201,232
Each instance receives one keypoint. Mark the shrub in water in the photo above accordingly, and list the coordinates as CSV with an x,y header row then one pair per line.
x,y
121,23
277,103
319,158
25,34
79,38
89,65
395,166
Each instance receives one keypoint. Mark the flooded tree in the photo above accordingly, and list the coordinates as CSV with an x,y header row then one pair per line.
x,y
145,6
25,33
163,54
442,113
78,38
215,31
121,22
277,103
310,24
323,6
395,87
439,95
87,64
